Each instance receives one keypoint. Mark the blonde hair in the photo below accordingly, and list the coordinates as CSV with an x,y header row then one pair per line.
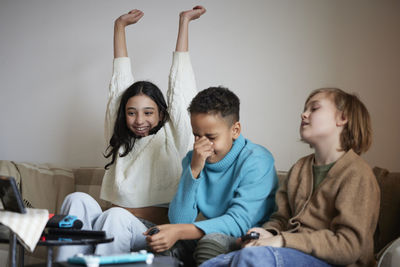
x,y
357,132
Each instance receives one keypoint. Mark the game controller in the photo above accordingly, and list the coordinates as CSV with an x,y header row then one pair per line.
x,y
95,260
153,231
250,236
64,221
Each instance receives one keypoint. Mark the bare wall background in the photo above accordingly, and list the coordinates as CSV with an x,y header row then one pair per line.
x,y
56,60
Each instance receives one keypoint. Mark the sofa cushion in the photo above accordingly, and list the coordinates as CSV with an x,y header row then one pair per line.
x,y
281,176
388,227
45,186
88,180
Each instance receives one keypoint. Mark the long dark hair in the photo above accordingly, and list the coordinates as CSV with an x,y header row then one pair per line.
x,y
122,136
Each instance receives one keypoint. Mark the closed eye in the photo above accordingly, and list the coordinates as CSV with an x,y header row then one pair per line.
x,y
211,137
314,107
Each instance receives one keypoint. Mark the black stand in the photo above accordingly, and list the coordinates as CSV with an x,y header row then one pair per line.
x,y
12,251
52,241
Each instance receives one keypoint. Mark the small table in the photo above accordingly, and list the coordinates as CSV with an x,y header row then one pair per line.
x,y
50,241
14,244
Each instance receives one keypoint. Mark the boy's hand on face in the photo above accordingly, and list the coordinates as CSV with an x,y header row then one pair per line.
x,y
202,149
164,239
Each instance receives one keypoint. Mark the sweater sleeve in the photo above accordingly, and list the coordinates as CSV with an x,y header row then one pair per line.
x,y
181,90
357,205
183,207
252,203
121,78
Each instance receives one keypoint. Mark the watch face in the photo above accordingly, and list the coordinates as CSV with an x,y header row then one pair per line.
x,y
10,195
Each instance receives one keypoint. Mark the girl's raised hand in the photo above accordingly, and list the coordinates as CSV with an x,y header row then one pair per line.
x,y
193,14
131,17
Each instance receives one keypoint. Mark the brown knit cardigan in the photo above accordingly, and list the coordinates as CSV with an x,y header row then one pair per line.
x,y
336,222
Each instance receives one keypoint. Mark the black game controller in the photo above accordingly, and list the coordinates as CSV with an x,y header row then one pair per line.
x,y
153,231
250,236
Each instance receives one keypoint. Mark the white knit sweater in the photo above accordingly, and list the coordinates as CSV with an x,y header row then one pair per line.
x,y
149,174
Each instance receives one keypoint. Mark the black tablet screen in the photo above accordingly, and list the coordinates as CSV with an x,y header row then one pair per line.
x,y
10,196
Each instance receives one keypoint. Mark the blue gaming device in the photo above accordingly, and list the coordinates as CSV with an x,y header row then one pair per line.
x,y
141,256
64,221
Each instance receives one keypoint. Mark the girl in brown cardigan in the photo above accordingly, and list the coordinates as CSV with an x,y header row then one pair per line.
x,y
328,205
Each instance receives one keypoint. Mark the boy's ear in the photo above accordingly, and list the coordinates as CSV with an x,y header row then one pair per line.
x,y
341,119
236,129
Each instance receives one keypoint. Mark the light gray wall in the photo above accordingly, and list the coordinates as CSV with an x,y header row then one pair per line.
x,y
56,59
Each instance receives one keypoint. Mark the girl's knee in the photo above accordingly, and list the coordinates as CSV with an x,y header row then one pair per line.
x,y
122,224
78,196
117,212
76,201
81,205
116,217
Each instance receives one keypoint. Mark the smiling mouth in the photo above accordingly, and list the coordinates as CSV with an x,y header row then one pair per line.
x,y
141,129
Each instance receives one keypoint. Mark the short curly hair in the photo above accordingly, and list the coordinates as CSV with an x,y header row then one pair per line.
x,y
217,100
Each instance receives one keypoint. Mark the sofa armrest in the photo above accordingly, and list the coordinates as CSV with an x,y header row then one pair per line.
x,y
388,227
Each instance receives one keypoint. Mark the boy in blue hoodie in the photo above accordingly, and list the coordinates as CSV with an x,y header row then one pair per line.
x,y
226,178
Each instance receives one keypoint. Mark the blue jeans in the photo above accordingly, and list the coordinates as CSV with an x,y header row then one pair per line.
x,y
265,256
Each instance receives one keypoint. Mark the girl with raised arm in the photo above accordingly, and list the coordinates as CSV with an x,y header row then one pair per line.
x,y
147,138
